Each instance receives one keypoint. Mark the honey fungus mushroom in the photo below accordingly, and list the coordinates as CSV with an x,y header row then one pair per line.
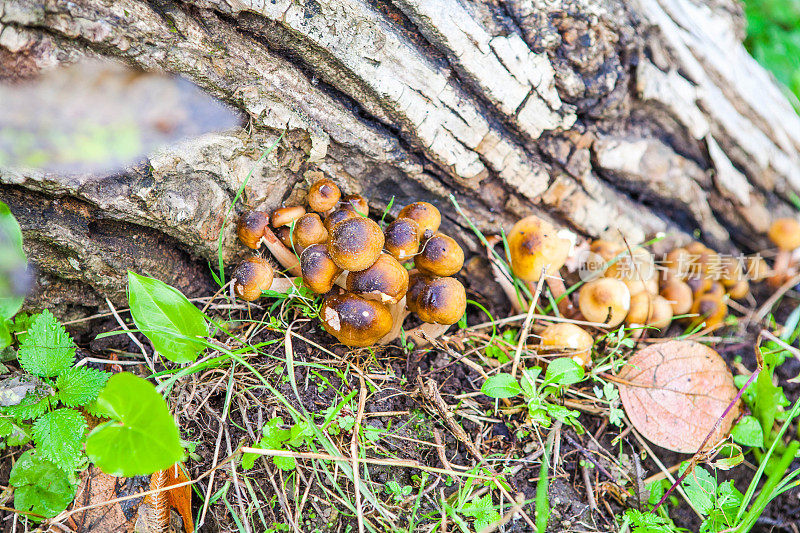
x,y
284,216
438,302
252,276
308,230
533,244
440,256
571,338
402,238
355,244
785,234
649,310
386,279
604,300
318,270
323,196
424,214
679,294
358,203
355,321
253,229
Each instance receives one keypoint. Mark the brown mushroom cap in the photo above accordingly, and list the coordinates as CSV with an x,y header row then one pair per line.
x,y
731,271
757,268
440,256
785,233
740,290
251,228
604,300
342,213
679,261
441,301
649,310
285,235
679,295
283,216
358,203
252,276
356,243
608,250
569,337
402,238
387,279
636,266
416,282
355,321
308,230
323,195
318,269
712,310
424,214
534,243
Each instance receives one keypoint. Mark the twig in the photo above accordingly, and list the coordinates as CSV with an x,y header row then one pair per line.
x,y
362,398
526,326
764,309
124,326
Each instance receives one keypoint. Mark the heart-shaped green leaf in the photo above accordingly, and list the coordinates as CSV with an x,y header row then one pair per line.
x,y
167,318
141,437
40,486
501,386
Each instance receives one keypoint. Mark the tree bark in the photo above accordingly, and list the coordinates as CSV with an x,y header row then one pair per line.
x,y
612,118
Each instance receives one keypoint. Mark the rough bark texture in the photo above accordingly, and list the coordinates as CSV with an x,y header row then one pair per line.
x,y
607,116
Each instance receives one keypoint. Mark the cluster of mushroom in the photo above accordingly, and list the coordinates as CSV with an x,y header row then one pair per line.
x,y
341,253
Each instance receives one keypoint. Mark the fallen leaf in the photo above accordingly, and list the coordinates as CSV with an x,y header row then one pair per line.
x,y
674,392
160,503
96,487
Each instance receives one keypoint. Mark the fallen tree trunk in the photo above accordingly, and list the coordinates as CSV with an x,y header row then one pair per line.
x,y
609,117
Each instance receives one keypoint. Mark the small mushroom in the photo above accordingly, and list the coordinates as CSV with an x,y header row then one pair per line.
x,y
605,300
439,302
679,262
323,195
342,213
386,279
569,337
649,310
757,268
785,234
355,321
253,230
308,230
424,214
711,309
358,203
679,295
284,234
636,270
402,238
284,216
252,276
533,244
440,256
318,269
355,244
740,290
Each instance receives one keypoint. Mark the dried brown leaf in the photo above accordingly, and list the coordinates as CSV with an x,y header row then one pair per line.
x,y
674,393
96,487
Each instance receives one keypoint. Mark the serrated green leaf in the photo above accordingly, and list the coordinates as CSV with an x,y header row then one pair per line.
x,y
501,386
59,437
6,427
40,486
141,437
48,349
12,260
80,386
167,318
274,438
34,405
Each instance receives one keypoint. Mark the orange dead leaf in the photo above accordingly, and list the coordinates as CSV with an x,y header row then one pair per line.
x,y
674,393
179,498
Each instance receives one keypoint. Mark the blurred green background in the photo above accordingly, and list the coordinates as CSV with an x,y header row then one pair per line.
x,y
773,38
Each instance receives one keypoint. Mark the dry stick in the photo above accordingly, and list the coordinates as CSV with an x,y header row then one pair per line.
x,y
501,276
362,398
237,487
589,490
762,312
526,326
131,336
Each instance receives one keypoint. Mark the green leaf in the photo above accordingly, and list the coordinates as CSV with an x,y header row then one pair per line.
x,y
40,486
274,438
59,437
12,261
564,371
482,509
748,432
80,386
167,318
501,386
48,349
141,437
33,405
701,488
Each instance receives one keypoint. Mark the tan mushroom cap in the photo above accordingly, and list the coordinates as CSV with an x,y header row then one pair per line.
x,y
283,216
424,214
534,243
441,301
251,226
638,265
440,256
355,321
416,282
323,195
604,300
679,295
679,261
308,230
285,235
649,310
387,280
402,238
569,337
252,276
711,310
785,233
757,268
358,203
342,213
740,290
355,244
318,269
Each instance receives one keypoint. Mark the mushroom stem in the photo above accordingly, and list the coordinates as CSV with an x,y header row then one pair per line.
x,y
558,289
283,285
426,332
399,314
779,269
501,278
282,254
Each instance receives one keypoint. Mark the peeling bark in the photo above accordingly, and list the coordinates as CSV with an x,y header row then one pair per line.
x,y
608,117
